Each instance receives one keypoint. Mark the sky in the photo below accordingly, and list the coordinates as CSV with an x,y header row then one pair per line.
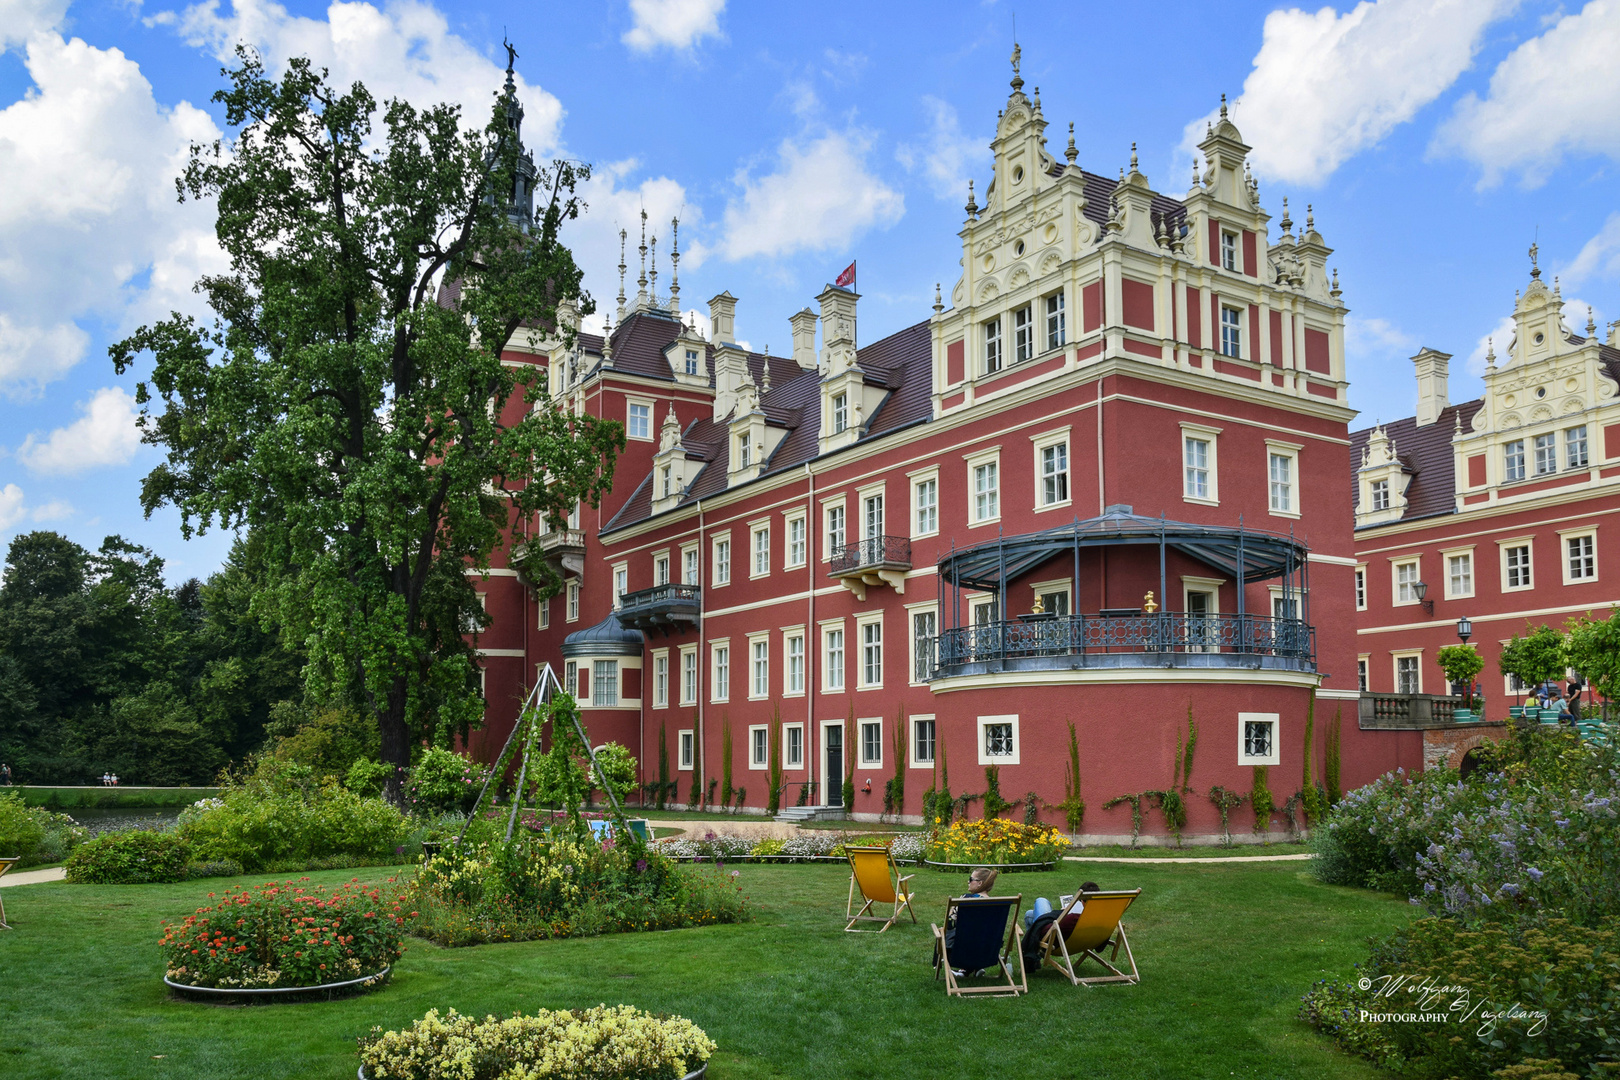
x,y
1435,142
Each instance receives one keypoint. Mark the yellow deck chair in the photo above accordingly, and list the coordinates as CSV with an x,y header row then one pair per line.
x,y
872,870
1073,938
6,864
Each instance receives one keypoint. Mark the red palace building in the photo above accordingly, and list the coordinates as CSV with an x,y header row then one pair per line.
x,y
1504,512
1105,486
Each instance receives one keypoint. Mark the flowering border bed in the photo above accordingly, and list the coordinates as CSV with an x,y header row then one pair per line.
x,y
324,991
809,847
1004,868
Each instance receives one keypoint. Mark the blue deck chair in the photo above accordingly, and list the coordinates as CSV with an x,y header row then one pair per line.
x,y
981,943
601,830
641,828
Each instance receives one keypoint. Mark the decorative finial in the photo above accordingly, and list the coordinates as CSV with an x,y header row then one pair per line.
x,y
1039,608
652,272
1017,58
1223,106
1310,218
1037,99
675,265
1149,604
1287,222
1122,174
1558,290
1133,156
1591,326
939,304
607,341
1535,249
972,206
1490,354
622,237
1196,182
642,280
1071,153
1335,292
765,372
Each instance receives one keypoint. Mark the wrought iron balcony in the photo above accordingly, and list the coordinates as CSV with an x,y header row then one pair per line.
x,y
667,608
877,560
1163,640
564,549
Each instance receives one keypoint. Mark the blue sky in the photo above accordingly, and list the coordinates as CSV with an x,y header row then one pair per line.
x,y
1435,141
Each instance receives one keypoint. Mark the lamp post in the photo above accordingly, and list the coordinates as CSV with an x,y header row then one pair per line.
x,y
1422,590
1465,629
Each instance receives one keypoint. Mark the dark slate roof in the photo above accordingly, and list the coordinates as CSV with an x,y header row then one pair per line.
x,y
606,638
901,363
1425,452
638,349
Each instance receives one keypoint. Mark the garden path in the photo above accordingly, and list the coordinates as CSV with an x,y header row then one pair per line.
x,y
1174,859
759,830
33,877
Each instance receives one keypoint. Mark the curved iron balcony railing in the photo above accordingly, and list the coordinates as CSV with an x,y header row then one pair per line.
x,y
871,553
666,607
1165,639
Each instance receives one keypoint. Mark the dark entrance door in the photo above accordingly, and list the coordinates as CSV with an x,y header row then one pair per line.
x,y
834,737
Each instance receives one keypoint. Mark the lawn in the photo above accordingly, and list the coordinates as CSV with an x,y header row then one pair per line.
x,y
1225,951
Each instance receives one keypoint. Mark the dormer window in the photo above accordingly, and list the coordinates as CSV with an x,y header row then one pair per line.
x,y
1229,249
840,413
667,481
1023,335
1380,495
1231,332
744,452
992,346
691,362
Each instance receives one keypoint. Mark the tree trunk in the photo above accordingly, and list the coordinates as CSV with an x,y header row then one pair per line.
x,y
396,743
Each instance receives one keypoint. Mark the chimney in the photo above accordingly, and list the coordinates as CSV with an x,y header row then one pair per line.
x,y
804,339
723,319
1433,369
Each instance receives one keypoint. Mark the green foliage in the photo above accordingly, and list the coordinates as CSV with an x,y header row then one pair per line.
x,y
894,789
1593,649
619,766
1311,801
328,739
726,790
1459,664
366,778
1260,799
440,781
1135,800
850,734
358,424
1331,759
773,799
1172,808
1192,744
1073,804
562,777
1537,658
20,829
135,857
1032,808
994,804
1226,801
665,787
34,834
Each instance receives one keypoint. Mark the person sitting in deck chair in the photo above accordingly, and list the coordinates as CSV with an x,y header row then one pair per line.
x,y
979,882
1043,906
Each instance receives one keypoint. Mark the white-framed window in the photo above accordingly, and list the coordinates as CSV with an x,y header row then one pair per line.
x,y
1380,494
1231,332
1513,685
759,746
573,602
871,653
666,479
1284,607
998,739
1023,334
924,631
722,561
1409,673
1406,581
686,740
925,505
1229,251
985,478
570,679
1257,738
1052,459
924,741
690,565
835,528
689,675
1459,574
1513,460
992,346
797,543
840,413
745,451
872,515
1516,570
1282,478
661,679
1200,472
793,653
661,569
984,610
1575,452
793,746
1361,674
1546,448
832,648
1053,596
872,743
1361,588
1056,329
621,584
1580,557
760,677
691,362
605,684
545,613
638,421
762,550
720,672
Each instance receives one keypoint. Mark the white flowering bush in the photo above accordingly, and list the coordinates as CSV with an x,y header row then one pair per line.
x,y
609,1042
719,847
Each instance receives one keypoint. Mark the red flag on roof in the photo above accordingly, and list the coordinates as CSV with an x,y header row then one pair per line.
x,y
846,280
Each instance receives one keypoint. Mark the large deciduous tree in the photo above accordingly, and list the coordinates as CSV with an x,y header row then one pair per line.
x,y
349,402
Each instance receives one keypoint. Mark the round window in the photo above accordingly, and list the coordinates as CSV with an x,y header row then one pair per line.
x,y
1018,248
1540,338
1018,173
1541,391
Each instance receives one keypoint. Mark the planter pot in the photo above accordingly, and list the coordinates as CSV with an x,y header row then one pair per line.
x,y
1462,716
248,996
698,1075
1516,711
1549,716
1004,868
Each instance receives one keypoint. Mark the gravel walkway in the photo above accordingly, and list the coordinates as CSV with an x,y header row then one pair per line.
x,y
1177,859
32,877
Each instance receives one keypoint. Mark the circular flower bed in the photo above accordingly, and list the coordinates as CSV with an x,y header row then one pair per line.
x,y
609,1042
285,936
997,842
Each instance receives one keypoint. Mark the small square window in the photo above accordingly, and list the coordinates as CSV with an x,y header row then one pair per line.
x,y
998,740
1257,738
1380,494
640,421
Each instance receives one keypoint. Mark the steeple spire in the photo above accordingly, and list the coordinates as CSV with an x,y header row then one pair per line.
x,y
641,282
675,266
622,237
652,274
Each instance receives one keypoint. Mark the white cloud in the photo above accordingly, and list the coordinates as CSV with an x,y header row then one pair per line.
x,y
613,201
22,19
821,196
1599,255
90,158
944,156
679,24
1364,335
1553,95
106,434
14,509
403,50
1326,85
1498,338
